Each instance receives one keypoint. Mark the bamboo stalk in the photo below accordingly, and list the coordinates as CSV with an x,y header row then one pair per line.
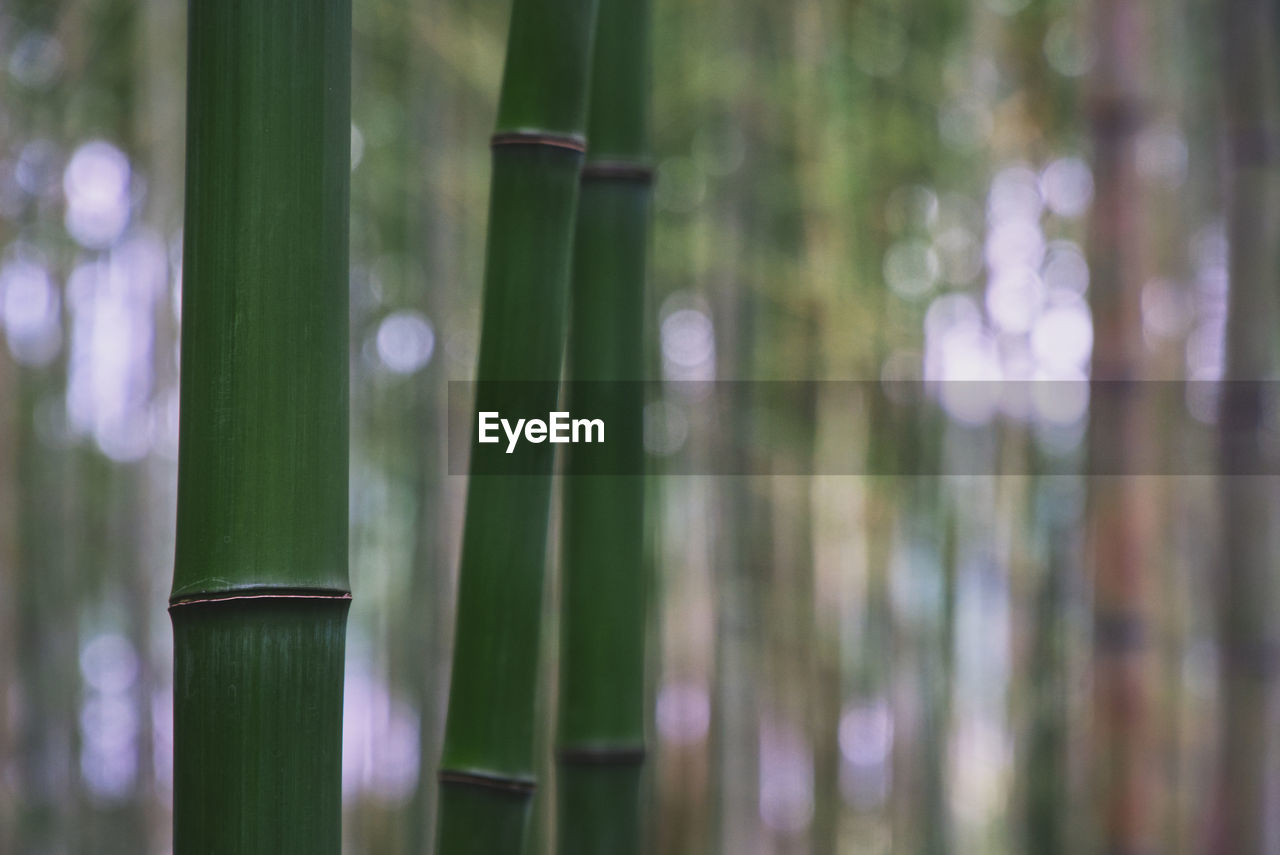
x,y
486,776
602,648
1045,767
49,794
1124,742
9,665
260,590
1248,591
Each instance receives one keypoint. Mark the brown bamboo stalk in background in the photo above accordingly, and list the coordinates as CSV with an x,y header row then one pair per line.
x,y
1123,762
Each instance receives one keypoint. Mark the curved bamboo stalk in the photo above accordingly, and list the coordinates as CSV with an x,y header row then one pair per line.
x,y
602,649
260,591
486,775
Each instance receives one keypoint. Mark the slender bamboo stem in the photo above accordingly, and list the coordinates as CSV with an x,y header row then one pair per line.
x,y
1045,767
1122,650
1248,590
602,649
487,775
9,666
260,593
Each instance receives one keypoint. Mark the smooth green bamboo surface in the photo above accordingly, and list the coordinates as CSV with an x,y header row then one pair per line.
x,y
260,590
262,485
602,668
487,761
258,713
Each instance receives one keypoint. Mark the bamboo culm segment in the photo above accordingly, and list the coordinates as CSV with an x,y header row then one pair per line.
x,y
602,648
262,485
490,728
258,711
603,625
260,592
487,763
598,808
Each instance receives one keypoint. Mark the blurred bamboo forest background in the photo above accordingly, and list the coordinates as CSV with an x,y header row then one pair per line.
x,y
953,190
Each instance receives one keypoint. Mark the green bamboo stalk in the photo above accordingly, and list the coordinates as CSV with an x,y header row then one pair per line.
x,y
260,590
1045,771
600,752
46,637
486,776
9,665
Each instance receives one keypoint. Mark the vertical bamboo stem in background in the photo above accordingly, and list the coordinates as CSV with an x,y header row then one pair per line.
x,y
1044,768
1124,752
1246,586
48,792
157,126
486,777
9,669
260,591
602,707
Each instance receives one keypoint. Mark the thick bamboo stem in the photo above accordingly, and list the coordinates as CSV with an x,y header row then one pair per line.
x,y
260,592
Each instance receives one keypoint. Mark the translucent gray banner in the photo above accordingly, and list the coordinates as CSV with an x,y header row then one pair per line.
x,y
872,427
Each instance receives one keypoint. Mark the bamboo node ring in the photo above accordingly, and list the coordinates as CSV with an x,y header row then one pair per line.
x,y
570,142
602,755
637,171
284,594
488,780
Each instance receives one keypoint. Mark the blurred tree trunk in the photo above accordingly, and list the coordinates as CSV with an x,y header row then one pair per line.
x,y
742,530
937,657
431,581
158,126
741,552
107,505
47,640
9,665
1124,741
1248,641
48,799
1044,769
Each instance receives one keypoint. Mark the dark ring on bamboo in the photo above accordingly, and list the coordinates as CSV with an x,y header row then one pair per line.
x,y
602,755
1120,633
1117,115
1259,659
572,142
259,594
1255,145
503,783
618,170
1242,406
